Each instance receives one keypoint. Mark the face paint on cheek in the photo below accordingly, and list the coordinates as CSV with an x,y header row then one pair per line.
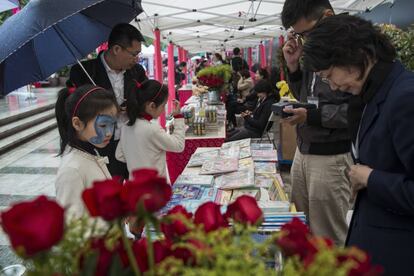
x,y
104,125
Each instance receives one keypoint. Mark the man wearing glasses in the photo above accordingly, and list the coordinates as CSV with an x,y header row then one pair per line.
x,y
320,187
114,69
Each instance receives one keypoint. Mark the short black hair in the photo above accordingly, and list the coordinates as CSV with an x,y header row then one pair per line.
x,y
236,51
263,86
124,34
294,10
263,72
345,40
245,73
183,64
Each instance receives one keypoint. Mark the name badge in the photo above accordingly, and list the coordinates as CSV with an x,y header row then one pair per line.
x,y
313,100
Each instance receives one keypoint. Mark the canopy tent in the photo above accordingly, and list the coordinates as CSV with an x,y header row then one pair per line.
x,y
397,12
216,25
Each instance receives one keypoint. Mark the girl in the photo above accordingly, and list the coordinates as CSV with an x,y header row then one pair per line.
x,y
144,143
86,119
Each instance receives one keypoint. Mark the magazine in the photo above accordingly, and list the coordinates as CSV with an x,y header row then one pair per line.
x,y
251,192
232,152
276,191
271,207
240,143
263,180
256,146
264,155
264,167
239,179
194,179
198,158
220,166
223,197
245,152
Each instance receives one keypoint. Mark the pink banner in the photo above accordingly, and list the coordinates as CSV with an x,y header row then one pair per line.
x,y
262,50
171,77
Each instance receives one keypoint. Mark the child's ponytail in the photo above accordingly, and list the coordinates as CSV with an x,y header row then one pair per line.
x,y
63,120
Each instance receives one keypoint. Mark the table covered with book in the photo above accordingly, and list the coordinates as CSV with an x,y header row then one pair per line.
x,y
221,174
206,127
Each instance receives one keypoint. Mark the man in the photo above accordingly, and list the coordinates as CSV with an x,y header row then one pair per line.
x,y
237,62
179,74
114,69
320,187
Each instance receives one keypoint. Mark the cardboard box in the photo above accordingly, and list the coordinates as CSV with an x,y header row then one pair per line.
x,y
287,141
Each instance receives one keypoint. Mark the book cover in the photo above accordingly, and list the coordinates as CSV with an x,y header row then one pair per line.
x,y
198,158
240,143
231,152
239,179
246,163
270,206
256,146
262,181
264,155
245,153
250,192
220,166
194,179
223,197
264,167
276,191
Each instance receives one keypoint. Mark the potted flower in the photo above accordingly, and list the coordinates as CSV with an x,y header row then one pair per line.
x,y
215,78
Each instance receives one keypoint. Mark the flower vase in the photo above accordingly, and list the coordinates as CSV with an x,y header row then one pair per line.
x,y
214,96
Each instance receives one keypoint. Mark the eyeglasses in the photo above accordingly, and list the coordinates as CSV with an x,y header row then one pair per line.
x,y
134,55
305,33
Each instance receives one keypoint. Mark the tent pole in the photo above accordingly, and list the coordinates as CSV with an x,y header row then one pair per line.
x,y
171,77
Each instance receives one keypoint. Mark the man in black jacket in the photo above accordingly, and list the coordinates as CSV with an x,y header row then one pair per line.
x,y
320,187
115,69
255,123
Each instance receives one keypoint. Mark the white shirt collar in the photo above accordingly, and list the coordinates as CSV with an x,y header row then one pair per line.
x,y
107,68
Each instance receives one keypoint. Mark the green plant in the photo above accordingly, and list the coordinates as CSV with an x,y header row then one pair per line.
x,y
215,76
64,72
403,42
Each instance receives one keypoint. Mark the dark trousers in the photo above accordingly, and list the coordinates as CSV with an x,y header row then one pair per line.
x,y
241,133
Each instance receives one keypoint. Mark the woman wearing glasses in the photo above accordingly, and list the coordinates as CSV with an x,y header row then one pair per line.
x,y
350,54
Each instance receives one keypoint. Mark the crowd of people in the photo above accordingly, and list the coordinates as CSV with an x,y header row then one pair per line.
x,y
354,150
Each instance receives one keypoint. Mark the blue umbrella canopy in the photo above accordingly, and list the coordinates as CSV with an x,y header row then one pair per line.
x,y
397,12
49,34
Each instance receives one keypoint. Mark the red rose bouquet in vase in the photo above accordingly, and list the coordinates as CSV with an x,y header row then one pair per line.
x,y
208,242
216,78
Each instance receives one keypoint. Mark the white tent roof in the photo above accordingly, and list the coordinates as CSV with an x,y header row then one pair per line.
x,y
211,25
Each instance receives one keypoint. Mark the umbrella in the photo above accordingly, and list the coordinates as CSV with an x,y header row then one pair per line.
x,y
6,5
49,34
397,12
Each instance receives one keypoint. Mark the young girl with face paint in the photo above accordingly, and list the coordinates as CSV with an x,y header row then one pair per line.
x,y
86,119
144,143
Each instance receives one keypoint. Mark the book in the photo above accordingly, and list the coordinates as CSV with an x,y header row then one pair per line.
x,y
231,152
245,152
251,192
220,166
264,167
223,197
240,143
276,191
262,180
198,158
264,155
246,163
271,207
194,179
257,146
239,179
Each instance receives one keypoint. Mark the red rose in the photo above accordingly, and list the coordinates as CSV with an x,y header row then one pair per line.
x,y
105,256
187,254
361,263
294,240
140,249
175,228
209,215
245,210
34,226
103,199
153,190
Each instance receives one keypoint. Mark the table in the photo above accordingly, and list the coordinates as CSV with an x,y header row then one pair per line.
x,y
214,137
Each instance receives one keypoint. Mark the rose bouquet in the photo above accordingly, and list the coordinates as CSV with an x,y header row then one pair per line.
x,y
215,76
208,242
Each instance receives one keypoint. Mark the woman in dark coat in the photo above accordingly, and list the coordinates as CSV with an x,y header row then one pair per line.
x,y
352,55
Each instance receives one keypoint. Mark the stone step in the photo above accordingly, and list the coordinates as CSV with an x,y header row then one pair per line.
x,y
11,117
25,123
26,135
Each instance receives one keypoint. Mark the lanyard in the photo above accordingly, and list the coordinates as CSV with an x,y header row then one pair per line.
x,y
312,88
355,146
